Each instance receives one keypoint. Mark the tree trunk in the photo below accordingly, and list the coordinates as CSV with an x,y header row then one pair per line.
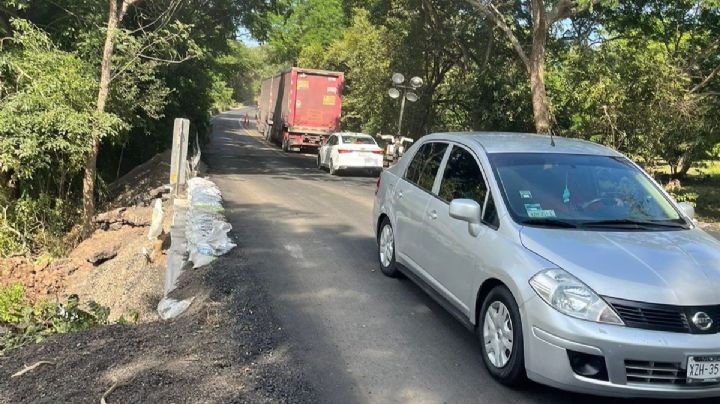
x,y
685,164
91,159
536,68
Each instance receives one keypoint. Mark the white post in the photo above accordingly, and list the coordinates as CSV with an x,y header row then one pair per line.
x,y
178,165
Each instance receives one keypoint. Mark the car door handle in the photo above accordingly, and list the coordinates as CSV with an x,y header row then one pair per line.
x,y
400,194
432,214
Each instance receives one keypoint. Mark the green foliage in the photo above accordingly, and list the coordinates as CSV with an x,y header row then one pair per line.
x,y
47,117
47,121
24,322
220,93
163,67
681,193
364,52
11,303
33,225
307,23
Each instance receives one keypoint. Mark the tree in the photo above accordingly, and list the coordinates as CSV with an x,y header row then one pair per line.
x,y
543,15
306,23
148,26
364,52
47,124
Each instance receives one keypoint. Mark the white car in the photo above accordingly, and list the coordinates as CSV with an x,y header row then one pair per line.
x,y
350,151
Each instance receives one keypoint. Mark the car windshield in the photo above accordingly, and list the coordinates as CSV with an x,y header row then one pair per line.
x,y
570,190
352,139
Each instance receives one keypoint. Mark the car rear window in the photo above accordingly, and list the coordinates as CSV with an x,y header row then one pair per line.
x,y
349,139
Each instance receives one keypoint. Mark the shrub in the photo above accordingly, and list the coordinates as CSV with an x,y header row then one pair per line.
x,y
679,193
22,323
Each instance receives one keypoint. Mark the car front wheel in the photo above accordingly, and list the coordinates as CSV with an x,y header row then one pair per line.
x,y
500,333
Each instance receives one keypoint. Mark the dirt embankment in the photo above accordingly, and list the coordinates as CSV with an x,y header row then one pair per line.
x,y
228,347
117,266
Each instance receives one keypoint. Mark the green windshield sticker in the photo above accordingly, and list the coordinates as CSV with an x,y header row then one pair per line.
x,y
525,194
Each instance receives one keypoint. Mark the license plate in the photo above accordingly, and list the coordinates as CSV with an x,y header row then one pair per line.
x,y
703,368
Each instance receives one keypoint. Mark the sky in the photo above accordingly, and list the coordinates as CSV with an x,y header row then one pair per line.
x,y
243,35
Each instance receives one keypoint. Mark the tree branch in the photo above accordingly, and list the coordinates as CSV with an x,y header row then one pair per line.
x,y
565,9
707,80
168,61
490,11
124,6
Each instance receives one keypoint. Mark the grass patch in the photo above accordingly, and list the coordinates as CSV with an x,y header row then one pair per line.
x,y
701,187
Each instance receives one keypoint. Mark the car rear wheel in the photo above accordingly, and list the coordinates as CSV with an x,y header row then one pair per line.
x,y
500,333
386,249
332,169
319,162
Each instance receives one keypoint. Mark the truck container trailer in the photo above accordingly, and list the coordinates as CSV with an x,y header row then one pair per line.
x,y
298,107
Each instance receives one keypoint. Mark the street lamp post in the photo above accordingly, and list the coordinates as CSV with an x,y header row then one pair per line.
x,y
406,91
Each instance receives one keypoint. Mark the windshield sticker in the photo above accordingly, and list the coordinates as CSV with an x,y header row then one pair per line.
x,y
535,210
542,213
525,194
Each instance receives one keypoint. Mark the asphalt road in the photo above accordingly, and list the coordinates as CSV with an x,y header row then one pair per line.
x,y
363,337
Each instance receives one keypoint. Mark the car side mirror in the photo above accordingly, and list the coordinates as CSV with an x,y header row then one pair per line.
x,y
687,209
468,211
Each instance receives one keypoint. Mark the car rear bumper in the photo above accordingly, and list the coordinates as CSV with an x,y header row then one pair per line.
x,y
636,360
362,161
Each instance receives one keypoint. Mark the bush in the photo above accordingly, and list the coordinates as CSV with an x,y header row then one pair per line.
x,y
680,194
35,225
22,323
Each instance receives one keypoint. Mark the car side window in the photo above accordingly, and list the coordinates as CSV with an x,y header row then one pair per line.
x,y
462,178
425,164
333,140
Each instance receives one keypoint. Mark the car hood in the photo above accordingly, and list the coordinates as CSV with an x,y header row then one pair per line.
x,y
669,267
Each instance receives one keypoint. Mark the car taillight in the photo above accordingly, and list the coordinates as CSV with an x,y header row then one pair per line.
x,y
377,185
378,151
341,151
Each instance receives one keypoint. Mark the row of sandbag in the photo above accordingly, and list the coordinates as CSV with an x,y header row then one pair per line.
x,y
207,229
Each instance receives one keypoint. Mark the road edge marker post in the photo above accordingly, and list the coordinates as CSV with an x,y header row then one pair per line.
x,y
178,165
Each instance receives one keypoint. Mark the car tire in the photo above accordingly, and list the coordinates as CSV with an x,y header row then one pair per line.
x,y
319,164
507,366
332,169
386,249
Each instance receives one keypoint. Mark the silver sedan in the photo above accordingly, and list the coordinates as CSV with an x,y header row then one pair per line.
x,y
574,267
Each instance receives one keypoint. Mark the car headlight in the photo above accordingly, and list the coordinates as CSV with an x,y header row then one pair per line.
x,y
569,296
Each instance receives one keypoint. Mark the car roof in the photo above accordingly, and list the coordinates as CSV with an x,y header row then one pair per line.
x,y
353,134
511,142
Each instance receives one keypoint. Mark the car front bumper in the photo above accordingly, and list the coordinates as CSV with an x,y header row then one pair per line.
x,y
549,335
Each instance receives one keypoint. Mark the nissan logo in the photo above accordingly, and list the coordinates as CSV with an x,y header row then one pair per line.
x,y
702,321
